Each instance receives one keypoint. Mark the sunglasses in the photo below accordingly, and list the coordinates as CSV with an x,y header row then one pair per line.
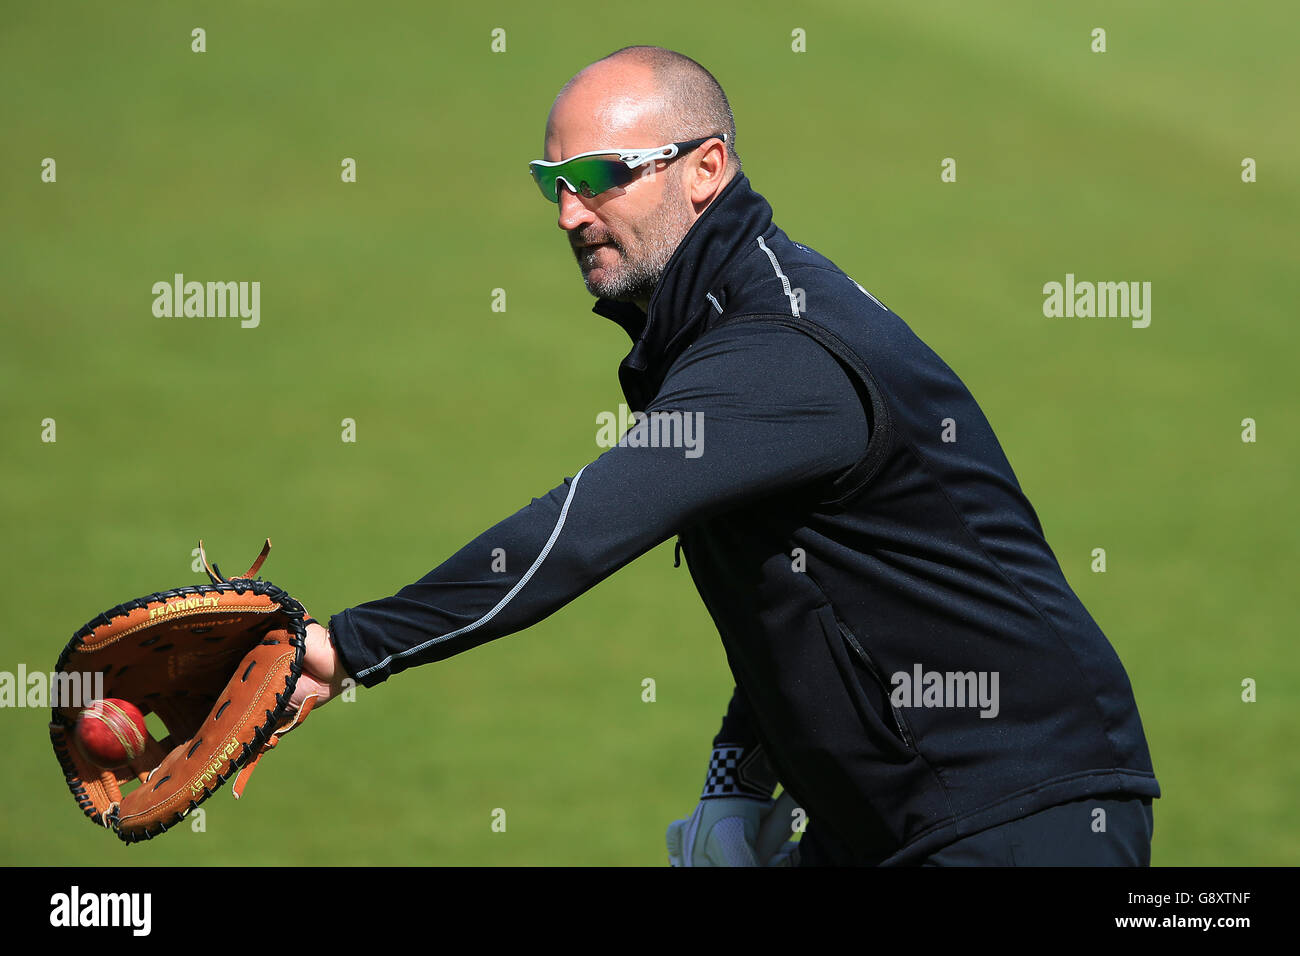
x,y
590,174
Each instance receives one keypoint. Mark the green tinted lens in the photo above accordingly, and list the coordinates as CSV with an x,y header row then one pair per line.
x,y
589,176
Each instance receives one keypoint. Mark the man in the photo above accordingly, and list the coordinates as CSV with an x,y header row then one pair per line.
x,y
910,663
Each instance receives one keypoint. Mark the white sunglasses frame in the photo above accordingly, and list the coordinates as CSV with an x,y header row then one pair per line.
x,y
632,157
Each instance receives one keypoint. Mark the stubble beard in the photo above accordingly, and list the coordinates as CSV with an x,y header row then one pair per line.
x,y
641,264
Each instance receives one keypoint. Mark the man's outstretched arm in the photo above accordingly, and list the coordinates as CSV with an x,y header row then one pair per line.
x,y
768,410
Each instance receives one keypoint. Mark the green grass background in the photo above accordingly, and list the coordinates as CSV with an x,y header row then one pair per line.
x,y
376,306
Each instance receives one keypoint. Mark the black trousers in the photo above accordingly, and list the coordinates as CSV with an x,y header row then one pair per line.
x,y
1071,834
1067,835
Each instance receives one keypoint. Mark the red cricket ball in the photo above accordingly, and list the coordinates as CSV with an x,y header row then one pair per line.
x,y
111,732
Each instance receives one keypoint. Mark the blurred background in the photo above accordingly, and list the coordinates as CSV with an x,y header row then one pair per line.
x,y
376,305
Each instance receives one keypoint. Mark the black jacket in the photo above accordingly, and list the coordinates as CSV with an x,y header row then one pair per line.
x,y
854,529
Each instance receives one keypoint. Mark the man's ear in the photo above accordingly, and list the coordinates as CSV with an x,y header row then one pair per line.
x,y
709,174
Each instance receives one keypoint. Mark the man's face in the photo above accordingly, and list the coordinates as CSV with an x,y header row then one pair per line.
x,y
622,238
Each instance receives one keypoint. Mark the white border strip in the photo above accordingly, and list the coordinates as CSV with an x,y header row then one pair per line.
x,y
785,283
555,533
869,295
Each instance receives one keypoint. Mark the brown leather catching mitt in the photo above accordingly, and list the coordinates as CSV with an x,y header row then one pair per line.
x,y
217,663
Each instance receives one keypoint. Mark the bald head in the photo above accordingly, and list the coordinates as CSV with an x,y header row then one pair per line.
x,y
639,98
649,91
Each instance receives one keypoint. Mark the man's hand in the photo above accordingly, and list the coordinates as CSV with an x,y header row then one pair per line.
x,y
322,674
733,831
737,822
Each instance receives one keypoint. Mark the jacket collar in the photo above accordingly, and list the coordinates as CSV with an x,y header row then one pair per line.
x,y
680,302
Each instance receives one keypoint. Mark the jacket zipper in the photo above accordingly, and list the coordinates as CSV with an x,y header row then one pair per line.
x,y
870,664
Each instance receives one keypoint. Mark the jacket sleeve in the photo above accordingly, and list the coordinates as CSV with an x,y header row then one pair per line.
x,y
746,412
737,726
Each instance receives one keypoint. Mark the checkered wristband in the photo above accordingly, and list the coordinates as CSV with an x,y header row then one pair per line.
x,y
736,771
